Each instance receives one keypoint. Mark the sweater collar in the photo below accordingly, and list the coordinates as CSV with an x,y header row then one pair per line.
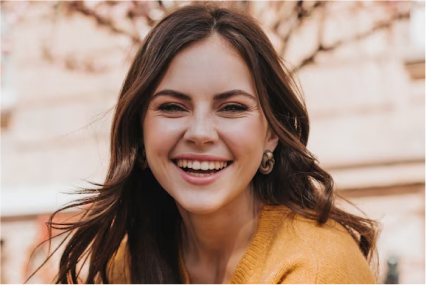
x,y
269,220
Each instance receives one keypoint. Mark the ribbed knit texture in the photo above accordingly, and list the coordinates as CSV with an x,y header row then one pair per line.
x,y
296,250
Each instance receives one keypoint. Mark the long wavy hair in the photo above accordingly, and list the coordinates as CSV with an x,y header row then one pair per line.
x,y
131,202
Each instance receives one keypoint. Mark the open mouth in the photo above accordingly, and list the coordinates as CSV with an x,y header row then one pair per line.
x,y
201,168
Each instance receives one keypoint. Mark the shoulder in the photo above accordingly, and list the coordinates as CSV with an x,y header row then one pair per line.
x,y
312,253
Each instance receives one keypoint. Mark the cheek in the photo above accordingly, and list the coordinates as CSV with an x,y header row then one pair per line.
x,y
160,134
245,136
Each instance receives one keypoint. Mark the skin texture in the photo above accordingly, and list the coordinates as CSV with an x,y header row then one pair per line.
x,y
220,218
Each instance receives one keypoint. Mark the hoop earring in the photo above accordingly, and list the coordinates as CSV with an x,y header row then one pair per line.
x,y
267,163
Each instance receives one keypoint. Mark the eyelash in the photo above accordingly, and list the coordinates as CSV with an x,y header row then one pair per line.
x,y
234,108
171,107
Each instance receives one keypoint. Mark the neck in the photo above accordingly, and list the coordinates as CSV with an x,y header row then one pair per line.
x,y
216,237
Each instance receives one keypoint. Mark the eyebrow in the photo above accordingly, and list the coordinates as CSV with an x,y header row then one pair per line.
x,y
217,97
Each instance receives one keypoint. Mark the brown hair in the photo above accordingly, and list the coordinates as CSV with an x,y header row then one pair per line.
x,y
131,201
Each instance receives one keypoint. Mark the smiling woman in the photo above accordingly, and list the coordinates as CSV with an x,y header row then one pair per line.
x,y
210,180
205,112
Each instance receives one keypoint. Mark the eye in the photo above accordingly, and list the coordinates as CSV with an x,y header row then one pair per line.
x,y
171,107
234,108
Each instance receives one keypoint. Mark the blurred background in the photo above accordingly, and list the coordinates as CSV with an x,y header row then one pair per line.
x,y
361,66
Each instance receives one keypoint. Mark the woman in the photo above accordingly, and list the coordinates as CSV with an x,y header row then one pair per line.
x,y
210,180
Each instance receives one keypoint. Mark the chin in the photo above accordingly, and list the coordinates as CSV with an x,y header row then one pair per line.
x,y
200,207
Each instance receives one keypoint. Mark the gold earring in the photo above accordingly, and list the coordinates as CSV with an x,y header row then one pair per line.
x,y
267,163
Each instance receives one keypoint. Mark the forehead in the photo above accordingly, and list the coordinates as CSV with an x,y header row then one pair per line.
x,y
208,67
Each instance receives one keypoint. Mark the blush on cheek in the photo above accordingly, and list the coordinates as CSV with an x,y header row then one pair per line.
x,y
245,132
161,135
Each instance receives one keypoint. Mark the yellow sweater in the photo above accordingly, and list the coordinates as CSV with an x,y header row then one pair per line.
x,y
287,250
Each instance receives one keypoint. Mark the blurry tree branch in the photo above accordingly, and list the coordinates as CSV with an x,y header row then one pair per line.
x,y
300,13
106,22
382,25
284,20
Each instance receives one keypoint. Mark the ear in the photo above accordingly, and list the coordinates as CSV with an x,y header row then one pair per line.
x,y
271,141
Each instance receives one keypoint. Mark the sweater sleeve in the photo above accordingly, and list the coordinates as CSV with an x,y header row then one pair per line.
x,y
331,256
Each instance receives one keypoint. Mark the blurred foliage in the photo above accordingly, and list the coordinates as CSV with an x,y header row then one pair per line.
x,y
283,21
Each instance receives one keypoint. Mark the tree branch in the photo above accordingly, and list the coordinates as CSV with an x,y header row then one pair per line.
x,y
380,26
301,14
79,7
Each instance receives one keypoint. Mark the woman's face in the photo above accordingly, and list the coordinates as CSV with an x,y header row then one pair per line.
x,y
204,131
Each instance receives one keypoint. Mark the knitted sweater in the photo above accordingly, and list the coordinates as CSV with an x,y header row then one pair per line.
x,y
286,250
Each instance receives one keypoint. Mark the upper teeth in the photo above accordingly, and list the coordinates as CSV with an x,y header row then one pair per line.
x,y
203,165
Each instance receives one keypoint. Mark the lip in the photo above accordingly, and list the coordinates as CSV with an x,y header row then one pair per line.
x,y
195,180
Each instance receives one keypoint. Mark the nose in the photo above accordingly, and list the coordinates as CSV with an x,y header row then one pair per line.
x,y
201,131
